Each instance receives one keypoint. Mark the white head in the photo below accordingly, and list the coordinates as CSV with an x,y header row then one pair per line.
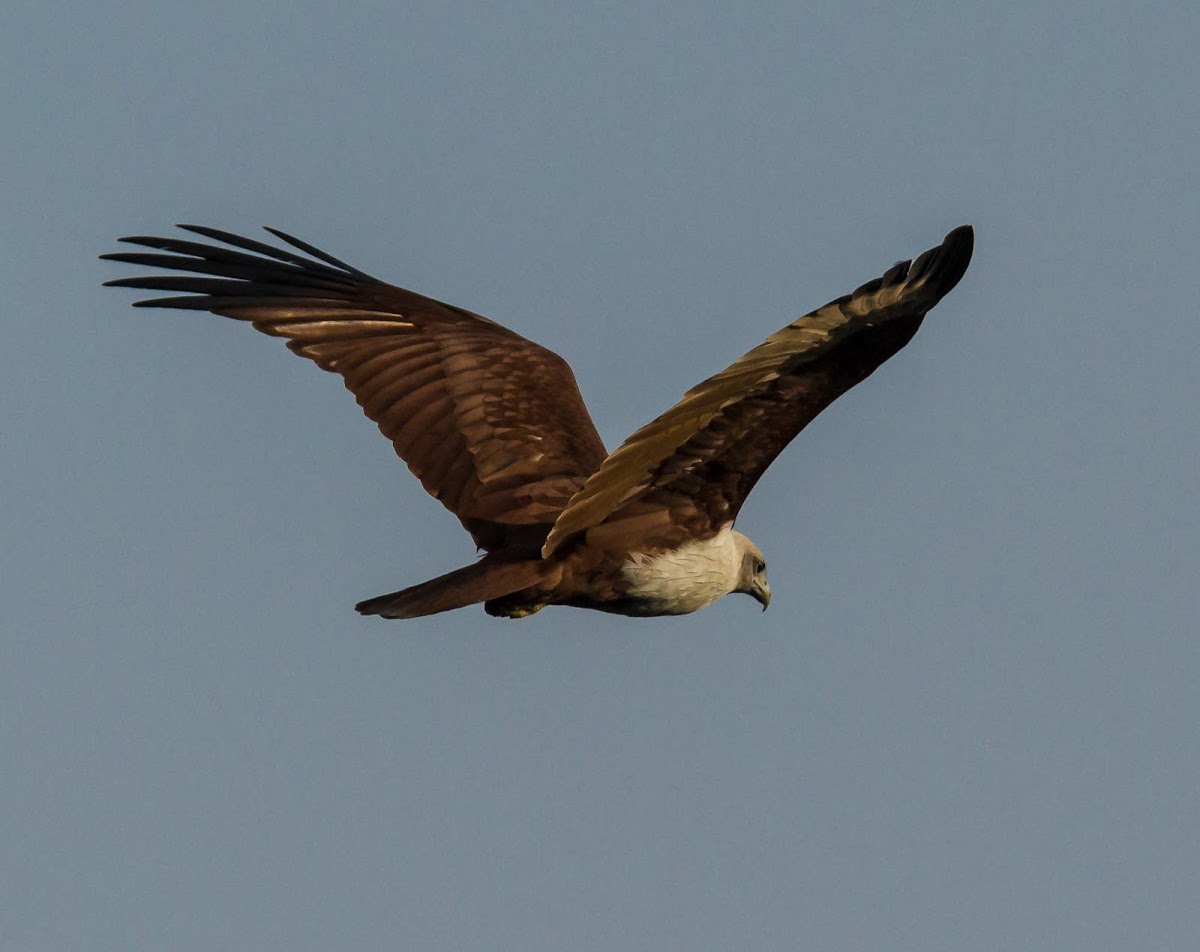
x,y
752,578
696,574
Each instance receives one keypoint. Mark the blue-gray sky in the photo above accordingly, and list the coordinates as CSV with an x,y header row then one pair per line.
x,y
969,720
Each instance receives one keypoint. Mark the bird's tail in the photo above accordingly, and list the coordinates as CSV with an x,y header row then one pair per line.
x,y
491,577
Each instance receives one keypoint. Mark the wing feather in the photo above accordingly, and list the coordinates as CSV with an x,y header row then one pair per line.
x,y
711,448
491,423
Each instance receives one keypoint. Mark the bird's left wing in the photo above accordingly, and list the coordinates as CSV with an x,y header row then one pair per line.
x,y
491,423
702,457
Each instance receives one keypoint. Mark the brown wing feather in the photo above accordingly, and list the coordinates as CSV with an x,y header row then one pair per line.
x,y
491,423
703,456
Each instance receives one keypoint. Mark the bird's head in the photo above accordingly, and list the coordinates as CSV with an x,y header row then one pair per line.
x,y
753,578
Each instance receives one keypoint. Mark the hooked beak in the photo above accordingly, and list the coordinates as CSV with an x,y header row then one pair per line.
x,y
762,594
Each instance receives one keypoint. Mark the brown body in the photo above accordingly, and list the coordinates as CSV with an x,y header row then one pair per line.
x,y
494,426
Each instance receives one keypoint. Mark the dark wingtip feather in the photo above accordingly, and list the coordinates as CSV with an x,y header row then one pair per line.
x,y
190,302
233,270
964,233
950,263
315,252
247,244
138,283
146,241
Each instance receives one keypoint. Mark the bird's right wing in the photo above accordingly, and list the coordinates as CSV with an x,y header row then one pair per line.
x,y
700,459
491,423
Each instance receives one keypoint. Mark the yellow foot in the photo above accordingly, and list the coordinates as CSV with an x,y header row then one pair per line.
x,y
500,609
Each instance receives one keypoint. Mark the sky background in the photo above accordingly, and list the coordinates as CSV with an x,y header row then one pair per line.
x,y
970,718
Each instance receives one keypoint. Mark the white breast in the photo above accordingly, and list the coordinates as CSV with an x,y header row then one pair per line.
x,y
688,578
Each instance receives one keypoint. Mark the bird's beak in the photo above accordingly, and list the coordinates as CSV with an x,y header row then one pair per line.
x,y
762,593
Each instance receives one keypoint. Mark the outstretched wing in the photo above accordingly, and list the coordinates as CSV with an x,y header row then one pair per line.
x,y
491,423
702,457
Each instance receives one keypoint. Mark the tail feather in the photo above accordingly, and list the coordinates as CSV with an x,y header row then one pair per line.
x,y
489,578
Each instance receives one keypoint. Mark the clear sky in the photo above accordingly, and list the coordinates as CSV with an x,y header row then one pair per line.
x,y
969,720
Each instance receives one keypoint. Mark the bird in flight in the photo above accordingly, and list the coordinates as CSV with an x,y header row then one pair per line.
x,y
494,427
